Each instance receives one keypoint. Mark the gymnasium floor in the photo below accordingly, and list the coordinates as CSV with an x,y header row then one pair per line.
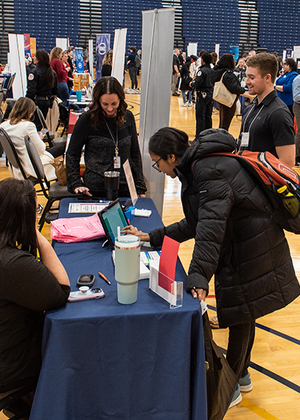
x,y
275,365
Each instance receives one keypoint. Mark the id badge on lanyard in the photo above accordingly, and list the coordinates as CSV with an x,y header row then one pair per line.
x,y
117,162
245,140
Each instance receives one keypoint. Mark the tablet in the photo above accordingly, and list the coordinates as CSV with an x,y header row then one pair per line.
x,y
111,217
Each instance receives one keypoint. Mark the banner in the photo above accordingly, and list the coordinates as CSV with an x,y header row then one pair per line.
x,y
102,46
27,45
32,46
78,53
234,50
119,54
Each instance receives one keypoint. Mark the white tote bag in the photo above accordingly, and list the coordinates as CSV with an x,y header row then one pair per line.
x,y
222,95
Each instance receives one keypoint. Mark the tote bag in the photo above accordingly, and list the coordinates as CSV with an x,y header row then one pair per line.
x,y
221,381
222,95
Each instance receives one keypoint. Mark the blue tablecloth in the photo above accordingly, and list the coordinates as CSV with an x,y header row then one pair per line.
x,y
103,360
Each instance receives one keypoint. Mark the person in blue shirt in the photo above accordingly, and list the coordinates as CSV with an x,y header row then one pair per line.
x,y
284,83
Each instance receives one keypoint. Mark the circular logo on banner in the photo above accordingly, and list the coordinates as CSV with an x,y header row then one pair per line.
x,y
79,65
102,48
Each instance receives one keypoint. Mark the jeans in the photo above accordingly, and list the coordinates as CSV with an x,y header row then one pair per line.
x,y
203,112
63,92
184,96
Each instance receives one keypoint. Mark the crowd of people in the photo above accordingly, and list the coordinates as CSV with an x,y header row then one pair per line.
x,y
219,197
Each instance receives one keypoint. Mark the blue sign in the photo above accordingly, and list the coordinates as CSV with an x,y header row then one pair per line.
x,y
102,46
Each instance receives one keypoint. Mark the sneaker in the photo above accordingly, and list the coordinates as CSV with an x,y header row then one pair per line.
x,y
245,383
175,94
214,322
190,104
237,397
184,104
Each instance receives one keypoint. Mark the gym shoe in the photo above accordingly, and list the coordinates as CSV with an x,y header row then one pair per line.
x,y
214,322
237,397
245,383
175,94
184,104
190,104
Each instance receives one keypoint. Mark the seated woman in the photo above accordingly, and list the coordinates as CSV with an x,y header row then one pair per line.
x,y
109,135
28,287
20,125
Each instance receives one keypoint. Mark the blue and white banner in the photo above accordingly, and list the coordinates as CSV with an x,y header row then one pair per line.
x,y
102,46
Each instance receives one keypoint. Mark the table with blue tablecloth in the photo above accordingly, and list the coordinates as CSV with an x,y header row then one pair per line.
x,y
103,360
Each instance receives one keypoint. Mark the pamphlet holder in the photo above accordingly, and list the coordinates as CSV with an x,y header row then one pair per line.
x,y
175,293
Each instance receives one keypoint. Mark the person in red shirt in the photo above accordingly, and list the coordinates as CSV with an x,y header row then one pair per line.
x,y
62,74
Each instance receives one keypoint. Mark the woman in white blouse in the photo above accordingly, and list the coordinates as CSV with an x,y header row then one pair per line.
x,y
20,125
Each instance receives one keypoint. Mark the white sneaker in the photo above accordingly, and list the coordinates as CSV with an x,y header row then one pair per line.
x,y
185,104
190,104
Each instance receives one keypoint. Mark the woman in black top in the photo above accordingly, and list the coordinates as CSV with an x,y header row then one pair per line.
x,y
109,135
226,65
28,286
107,64
42,83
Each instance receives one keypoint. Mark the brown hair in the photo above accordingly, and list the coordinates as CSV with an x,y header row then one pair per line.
x,y
22,110
107,85
265,63
108,58
54,53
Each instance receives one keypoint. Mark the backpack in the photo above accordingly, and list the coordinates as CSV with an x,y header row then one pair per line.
x,y
137,61
280,183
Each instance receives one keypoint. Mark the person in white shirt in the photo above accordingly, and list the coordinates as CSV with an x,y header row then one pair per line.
x,y
20,125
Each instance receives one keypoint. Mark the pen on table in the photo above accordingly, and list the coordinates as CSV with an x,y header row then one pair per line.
x,y
104,278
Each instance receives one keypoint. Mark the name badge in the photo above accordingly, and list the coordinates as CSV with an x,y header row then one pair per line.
x,y
245,140
117,162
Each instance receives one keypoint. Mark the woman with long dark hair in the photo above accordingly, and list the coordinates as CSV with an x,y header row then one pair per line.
x,y
226,212
226,66
42,83
108,133
28,286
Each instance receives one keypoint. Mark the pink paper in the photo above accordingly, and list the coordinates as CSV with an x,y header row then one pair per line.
x,y
167,264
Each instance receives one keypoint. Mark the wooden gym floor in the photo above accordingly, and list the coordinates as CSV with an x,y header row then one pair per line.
x,y
275,362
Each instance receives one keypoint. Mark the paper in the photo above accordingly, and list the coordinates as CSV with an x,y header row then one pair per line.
x,y
86,208
167,264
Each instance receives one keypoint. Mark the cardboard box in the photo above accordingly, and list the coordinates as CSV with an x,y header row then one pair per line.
x,y
81,80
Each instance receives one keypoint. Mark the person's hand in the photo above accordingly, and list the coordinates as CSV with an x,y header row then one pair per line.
x,y
42,135
83,190
142,195
135,232
199,294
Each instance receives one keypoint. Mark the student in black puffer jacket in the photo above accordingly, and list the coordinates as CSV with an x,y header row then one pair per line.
x,y
226,65
236,240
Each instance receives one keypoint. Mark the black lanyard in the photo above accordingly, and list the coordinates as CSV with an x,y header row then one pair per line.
x,y
115,140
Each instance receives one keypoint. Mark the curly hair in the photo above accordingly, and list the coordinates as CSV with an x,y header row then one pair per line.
x,y
107,85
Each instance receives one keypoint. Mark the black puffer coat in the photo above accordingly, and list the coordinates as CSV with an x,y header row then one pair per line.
x,y
229,216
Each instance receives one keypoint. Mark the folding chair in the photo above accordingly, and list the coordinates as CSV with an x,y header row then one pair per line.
x,y
53,192
10,151
63,118
49,135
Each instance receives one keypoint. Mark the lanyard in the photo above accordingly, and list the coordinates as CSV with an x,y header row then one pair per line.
x,y
246,119
115,140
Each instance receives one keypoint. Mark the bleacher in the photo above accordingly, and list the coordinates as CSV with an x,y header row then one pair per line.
x,y
211,22
279,24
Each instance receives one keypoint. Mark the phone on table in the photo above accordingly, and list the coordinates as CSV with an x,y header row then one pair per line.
x,y
96,293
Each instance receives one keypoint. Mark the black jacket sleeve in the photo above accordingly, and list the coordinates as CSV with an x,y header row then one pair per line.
x,y
232,83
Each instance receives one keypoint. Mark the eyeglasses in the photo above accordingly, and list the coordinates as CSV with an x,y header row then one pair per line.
x,y
39,209
156,165
284,64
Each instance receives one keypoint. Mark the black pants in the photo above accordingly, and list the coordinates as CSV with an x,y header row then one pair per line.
x,y
240,343
204,107
133,78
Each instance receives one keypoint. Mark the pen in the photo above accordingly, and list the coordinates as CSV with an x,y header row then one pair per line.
x,y
104,278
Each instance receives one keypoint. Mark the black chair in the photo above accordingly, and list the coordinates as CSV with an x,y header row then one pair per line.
x,y
53,192
10,151
12,404
63,118
49,135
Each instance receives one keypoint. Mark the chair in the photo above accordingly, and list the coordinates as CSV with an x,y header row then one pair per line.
x,y
10,151
53,192
49,135
63,118
13,405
